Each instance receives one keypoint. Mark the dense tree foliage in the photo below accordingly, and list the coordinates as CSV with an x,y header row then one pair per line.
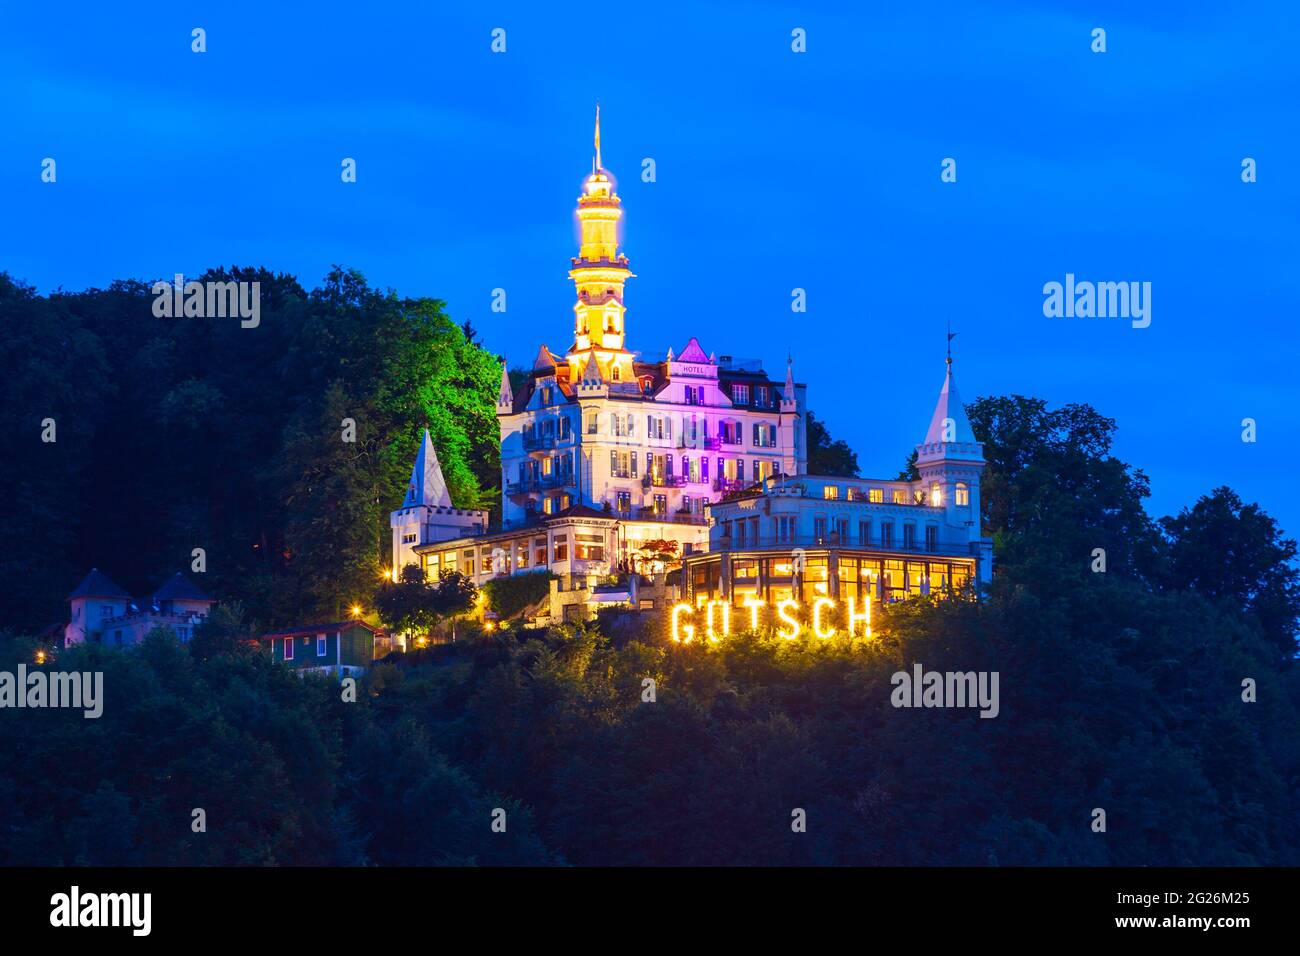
x,y
284,771
826,455
414,604
1234,553
177,433
511,596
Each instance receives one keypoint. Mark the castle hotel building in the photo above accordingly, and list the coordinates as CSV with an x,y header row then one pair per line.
x,y
605,456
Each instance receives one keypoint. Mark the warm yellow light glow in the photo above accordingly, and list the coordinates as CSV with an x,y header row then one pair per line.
x,y
40,657
726,619
356,610
680,629
782,608
818,606
386,575
489,625
823,617
864,617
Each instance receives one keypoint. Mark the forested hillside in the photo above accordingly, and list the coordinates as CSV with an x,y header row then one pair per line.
x,y
182,433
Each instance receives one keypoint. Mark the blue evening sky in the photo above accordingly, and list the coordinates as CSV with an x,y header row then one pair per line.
x,y
775,171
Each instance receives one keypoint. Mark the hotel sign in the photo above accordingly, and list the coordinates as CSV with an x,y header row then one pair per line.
x,y
691,371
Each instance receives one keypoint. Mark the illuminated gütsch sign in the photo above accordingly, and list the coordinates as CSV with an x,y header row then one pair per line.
x,y
824,617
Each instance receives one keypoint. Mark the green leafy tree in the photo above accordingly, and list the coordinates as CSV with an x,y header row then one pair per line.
x,y
1225,549
827,456
1052,493
413,604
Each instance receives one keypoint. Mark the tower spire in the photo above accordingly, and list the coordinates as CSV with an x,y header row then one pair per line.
x,y
599,271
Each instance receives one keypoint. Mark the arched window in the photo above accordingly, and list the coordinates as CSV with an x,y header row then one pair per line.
x,y
963,494
936,494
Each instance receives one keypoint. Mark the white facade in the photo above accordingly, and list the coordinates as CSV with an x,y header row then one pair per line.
x,y
604,457
427,513
802,536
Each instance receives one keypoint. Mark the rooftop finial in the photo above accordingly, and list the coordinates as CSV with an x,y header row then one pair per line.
x,y
598,165
951,335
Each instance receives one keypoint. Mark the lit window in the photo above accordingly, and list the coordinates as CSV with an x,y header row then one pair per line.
x,y
900,496
963,494
936,495
830,492
875,494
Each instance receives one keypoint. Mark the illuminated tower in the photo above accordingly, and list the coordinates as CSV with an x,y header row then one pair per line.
x,y
599,271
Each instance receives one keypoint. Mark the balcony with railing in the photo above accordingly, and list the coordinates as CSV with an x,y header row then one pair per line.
x,y
649,513
541,483
664,481
729,484
833,541
699,443
540,442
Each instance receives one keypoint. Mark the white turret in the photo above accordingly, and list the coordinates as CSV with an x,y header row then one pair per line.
x,y
427,514
950,462
506,396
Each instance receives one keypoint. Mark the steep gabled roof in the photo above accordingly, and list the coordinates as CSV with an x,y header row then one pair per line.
x,y
580,511
591,374
507,394
544,360
98,584
694,352
949,407
427,486
179,588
